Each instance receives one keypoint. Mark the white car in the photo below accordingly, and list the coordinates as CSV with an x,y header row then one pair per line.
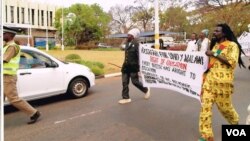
x,y
103,45
41,75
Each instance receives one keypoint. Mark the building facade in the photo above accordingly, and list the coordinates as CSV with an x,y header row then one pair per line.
x,y
35,19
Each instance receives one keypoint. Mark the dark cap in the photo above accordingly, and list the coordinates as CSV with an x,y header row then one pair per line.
x,y
10,30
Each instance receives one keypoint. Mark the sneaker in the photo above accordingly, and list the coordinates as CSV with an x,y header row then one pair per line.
x,y
34,118
124,101
201,139
147,95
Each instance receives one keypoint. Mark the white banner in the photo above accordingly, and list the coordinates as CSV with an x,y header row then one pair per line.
x,y
176,70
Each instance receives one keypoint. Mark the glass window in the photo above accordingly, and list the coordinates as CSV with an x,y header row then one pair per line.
x,y
33,60
6,11
12,14
33,16
42,16
51,18
22,14
18,18
29,15
38,16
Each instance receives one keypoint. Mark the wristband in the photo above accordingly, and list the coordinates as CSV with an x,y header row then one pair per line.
x,y
215,54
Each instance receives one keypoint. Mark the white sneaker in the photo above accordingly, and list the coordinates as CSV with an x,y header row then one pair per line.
x,y
147,95
124,101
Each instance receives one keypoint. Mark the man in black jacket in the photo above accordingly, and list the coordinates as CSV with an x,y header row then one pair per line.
x,y
130,67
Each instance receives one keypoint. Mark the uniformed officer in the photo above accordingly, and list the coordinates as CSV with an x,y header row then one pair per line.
x,y
130,67
11,59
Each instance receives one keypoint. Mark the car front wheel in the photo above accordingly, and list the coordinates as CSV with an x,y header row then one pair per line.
x,y
78,88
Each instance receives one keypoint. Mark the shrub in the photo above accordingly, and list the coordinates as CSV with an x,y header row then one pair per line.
x,y
75,58
96,70
86,63
99,64
96,67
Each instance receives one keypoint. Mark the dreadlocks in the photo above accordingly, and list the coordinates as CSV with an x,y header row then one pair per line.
x,y
229,35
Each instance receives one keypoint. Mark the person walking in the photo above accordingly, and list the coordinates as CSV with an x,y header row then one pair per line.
x,y
203,42
130,67
192,44
11,58
161,43
218,84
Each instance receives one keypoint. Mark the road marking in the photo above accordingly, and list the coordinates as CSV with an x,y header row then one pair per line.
x,y
61,121
78,116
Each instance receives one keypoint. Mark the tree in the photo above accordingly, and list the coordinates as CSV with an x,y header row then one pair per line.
x,y
121,18
144,14
90,23
174,19
210,12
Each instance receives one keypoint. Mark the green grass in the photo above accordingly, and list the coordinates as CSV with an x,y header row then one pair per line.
x,y
107,49
105,57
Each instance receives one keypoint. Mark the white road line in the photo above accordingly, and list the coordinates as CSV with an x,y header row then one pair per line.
x,y
78,116
61,121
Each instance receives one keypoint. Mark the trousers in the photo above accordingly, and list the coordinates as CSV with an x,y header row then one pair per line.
x,y
224,104
135,80
10,91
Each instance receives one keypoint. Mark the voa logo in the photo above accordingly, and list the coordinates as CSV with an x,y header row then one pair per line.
x,y
236,132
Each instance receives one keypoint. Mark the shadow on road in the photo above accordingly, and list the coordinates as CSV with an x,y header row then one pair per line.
x,y
39,102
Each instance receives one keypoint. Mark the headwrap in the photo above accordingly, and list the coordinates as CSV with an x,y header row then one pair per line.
x,y
205,32
135,32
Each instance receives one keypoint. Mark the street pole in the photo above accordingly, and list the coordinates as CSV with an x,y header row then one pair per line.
x,y
62,30
157,24
47,44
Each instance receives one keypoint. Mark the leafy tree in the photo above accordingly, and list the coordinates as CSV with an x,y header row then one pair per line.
x,y
89,23
174,19
210,12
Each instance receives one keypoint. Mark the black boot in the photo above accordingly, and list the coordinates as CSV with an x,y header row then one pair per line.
x,y
34,118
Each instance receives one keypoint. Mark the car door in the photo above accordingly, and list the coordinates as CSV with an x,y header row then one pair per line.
x,y
38,76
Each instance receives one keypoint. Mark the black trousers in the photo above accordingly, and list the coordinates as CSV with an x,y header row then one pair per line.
x,y
135,80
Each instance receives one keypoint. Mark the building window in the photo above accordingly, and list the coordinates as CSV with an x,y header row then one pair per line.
x,y
29,15
18,17
12,14
33,16
42,16
38,16
6,15
51,18
47,16
22,14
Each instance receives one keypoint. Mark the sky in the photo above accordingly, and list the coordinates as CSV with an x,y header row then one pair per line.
x,y
105,4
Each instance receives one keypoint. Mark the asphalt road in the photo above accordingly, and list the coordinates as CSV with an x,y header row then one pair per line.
x,y
166,116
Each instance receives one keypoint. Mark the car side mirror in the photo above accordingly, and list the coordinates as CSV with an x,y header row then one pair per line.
x,y
53,64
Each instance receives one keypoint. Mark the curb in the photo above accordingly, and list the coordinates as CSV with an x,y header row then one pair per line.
x,y
108,75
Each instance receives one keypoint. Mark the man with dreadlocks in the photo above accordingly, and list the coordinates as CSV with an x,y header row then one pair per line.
x,y
218,84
